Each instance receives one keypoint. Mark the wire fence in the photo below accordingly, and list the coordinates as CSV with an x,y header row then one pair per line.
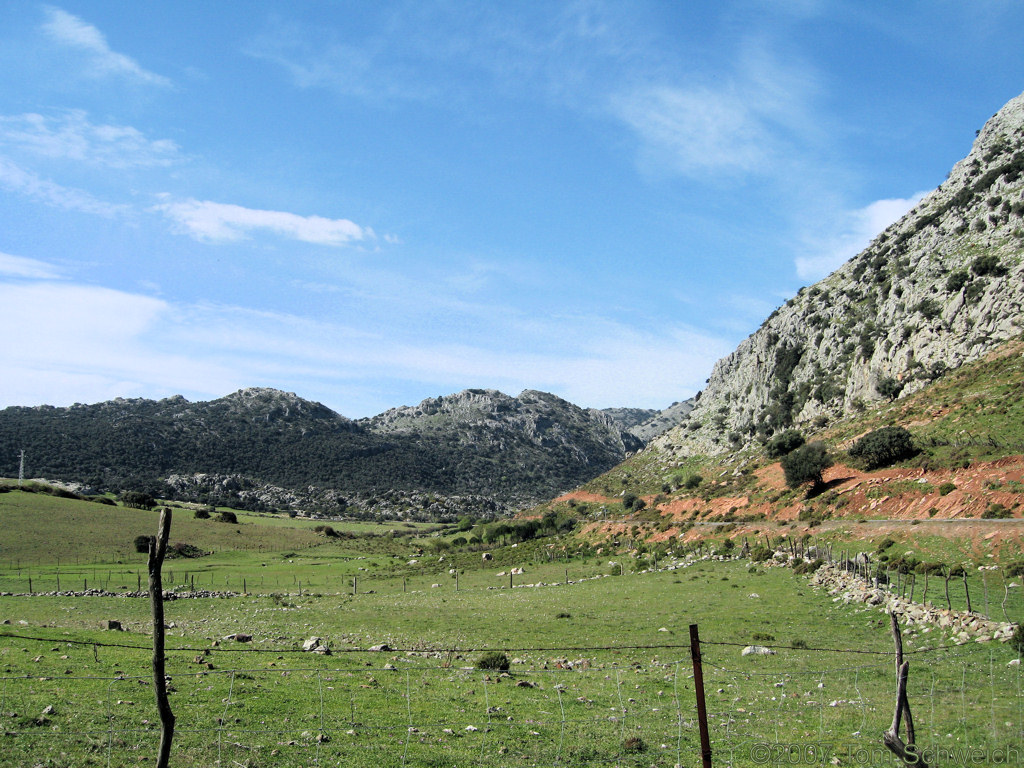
x,y
582,706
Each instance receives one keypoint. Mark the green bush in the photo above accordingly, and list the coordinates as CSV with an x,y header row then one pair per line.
x,y
227,517
693,481
996,512
883,447
805,464
808,567
946,488
1017,640
988,265
784,442
494,660
141,544
956,281
889,388
202,514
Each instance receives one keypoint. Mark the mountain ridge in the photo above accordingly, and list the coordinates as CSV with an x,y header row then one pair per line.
x,y
475,451
938,288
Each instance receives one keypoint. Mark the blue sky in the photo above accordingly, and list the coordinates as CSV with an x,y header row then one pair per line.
x,y
369,204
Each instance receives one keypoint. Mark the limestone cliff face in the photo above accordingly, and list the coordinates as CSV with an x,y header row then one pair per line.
x,y
935,290
486,419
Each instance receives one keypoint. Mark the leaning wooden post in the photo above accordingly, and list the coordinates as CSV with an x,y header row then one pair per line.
x,y
906,751
698,685
157,550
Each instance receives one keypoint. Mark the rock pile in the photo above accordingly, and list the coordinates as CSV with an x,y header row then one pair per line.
x,y
962,626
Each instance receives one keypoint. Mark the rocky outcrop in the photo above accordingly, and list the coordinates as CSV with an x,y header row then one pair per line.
x,y
939,288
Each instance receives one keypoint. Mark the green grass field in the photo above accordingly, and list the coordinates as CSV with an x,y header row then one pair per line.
x,y
600,675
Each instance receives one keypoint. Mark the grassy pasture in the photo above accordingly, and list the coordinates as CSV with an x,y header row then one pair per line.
x,y
601,672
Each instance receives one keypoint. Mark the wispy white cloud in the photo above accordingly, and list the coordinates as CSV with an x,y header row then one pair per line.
x,y
80,343
826,251
87,343
224,222
744,121
19,266
70,135
73,32
15,178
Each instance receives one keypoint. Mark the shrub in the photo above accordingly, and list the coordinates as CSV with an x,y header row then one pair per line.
x,y
956,281
808,567
805,464
202,514
1017,640
929,308
634,744
996,512
227,517
946,488
693,481
142,544
988,265
784,442
889,388
760,553
137,500
495,660
883,447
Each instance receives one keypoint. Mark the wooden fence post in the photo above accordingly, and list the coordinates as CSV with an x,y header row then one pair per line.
x,y
698,685
906,751
157,550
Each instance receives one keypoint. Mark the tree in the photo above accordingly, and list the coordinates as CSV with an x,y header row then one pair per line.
x,y
883,447
889,388
137,500
784,442
806,464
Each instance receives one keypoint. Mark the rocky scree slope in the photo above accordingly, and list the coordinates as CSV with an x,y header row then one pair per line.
x,y
939,288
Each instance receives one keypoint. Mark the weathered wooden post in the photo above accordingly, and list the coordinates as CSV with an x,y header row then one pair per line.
x,y
906,751
698,685
157,550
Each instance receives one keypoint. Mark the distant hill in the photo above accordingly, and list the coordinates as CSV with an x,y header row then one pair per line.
x,y
939,288
479,450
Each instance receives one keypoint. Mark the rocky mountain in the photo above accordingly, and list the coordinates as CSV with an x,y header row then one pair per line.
x,y
630,418
939,288
661,421
479,450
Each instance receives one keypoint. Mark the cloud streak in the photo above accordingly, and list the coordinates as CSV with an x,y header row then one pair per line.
x,y
851,234
224,222
82,343
70,135
73,32
19,266
745,122
29,184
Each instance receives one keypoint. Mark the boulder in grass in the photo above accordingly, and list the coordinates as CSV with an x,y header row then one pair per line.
x,y
757,650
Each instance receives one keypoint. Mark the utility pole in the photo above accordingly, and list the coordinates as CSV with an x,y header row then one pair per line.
x,y
21,469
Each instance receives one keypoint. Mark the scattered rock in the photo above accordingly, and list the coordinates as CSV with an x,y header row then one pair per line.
x,y
757,650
